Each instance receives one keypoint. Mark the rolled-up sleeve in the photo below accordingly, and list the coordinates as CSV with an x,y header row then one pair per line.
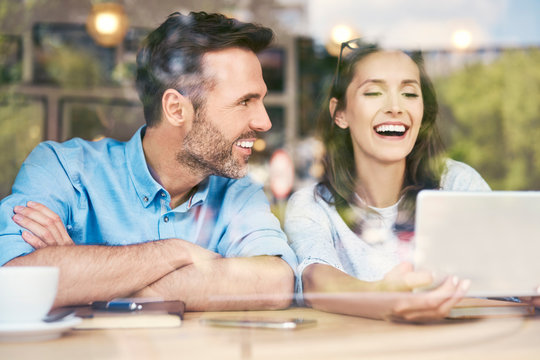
x,y
42,179
252,229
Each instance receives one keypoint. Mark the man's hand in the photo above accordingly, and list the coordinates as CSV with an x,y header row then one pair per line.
x,y
247,283
45,228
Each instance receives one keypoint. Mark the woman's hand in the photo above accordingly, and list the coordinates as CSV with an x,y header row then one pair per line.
x,y
533,300
44,227
404,278
427,306
329,289
422,306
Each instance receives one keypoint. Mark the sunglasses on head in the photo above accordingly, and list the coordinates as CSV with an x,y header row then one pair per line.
x,y
353,44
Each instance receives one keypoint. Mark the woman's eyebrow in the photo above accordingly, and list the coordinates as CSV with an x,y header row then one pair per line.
x,y
381,81
410,81
376,81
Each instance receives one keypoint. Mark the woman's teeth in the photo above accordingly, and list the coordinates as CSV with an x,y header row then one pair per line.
x,y
391,130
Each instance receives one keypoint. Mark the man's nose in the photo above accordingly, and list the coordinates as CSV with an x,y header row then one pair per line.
x,y
260,121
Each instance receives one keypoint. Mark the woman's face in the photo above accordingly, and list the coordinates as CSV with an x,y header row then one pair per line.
x,y
384,107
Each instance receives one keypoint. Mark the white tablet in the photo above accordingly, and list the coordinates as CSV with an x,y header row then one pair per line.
x,y
491,238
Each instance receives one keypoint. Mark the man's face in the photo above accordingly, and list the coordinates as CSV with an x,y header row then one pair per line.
x,y
225,127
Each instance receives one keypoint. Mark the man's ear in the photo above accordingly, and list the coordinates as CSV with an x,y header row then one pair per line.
x,y
176,108
337,115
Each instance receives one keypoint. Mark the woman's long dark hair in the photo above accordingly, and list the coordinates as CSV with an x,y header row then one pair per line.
x,y
424,164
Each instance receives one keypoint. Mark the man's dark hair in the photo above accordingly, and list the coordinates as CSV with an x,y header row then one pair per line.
x,y
170,56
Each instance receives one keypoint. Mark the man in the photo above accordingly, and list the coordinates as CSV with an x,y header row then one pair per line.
x,y
169,213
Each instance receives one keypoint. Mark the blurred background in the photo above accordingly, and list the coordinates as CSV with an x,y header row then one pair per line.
x,y
67,70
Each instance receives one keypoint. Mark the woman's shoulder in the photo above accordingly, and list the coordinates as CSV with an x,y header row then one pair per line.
x,y
308,201
310,194
459,176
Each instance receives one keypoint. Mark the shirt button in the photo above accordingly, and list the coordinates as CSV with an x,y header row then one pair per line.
x,y
166,219
163,194
145,199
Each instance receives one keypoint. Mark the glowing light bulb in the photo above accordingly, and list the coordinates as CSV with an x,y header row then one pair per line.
x,y
338,35
107,23
342,33
462,39
259,145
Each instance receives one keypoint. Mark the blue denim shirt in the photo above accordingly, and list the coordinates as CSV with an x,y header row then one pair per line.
x,y
105,195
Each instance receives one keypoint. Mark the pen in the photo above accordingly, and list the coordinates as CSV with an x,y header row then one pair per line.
x,y
116,305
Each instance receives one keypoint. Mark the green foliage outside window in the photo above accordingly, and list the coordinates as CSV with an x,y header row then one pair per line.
x,y
21,124
493,118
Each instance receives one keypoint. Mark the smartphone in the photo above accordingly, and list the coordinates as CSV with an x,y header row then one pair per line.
x,y
259,322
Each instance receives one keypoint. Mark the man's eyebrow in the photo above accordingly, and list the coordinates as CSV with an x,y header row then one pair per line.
x,y
249,96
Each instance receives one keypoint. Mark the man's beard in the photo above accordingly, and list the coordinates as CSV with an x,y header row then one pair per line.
x,y
206,150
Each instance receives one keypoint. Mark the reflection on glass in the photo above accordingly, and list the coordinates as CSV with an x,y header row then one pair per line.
x,y
21,124
273,67
95,119
10,59
66,55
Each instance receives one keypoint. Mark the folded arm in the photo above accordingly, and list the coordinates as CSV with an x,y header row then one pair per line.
x,y
171,269
93,272
247,283
329,289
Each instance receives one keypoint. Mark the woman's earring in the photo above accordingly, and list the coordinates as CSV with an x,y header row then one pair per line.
x,y
340,121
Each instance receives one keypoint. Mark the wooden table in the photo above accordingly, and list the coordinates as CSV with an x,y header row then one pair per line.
x,y
334,337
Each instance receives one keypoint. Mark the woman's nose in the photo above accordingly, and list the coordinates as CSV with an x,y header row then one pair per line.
x,y
393,105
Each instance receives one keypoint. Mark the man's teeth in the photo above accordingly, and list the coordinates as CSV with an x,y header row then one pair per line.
x,y
245,144
390,129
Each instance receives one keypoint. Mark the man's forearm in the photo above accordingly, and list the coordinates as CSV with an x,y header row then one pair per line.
x,y
250,283
93,272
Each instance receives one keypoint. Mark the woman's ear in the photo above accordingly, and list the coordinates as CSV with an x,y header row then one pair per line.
x,y
337,115
177,109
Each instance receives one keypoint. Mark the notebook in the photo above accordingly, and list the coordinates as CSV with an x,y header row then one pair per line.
x,y
491,238
146,314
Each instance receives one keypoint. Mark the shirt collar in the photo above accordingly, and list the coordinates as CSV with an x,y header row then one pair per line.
x,y
146,187
201,194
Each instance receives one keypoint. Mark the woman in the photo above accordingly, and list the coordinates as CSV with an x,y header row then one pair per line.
x,y
351,230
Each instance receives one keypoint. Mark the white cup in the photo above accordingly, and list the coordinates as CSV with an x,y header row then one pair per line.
x,y
27,293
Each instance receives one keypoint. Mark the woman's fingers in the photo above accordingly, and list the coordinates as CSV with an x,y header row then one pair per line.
x,y
433,305
418,279
403,278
